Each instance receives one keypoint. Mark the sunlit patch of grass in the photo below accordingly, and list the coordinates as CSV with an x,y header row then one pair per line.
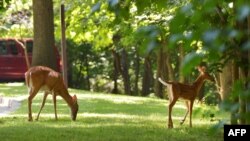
x,y
14,84
13,89
118,115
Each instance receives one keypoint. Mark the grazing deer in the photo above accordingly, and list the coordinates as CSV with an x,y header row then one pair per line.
x,y
187,92
43,78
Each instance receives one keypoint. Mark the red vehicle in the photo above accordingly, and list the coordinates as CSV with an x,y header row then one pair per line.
x,y
12,59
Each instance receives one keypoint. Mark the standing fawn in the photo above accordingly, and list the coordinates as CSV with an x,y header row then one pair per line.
x,y
187,92
43,78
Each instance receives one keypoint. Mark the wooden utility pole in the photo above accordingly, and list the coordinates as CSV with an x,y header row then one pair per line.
x,y
63,47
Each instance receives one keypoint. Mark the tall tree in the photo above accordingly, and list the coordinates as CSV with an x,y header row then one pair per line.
x,y
44,40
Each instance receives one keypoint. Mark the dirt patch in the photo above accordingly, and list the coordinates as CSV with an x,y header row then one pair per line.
x,y
10,104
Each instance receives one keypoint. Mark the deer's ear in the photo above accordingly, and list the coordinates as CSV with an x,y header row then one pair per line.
x,y
74,98
203,68
199,68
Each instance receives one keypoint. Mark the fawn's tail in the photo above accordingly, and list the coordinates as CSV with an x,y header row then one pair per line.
x,y
163,82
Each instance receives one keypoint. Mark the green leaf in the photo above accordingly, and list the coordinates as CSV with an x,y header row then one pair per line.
x,y
161,4
211,35
113,3
243,12
190,61
96,7
142,5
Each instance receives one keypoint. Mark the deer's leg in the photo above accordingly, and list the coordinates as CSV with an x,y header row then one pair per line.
x,y
54,101
184,118
190,113
170,106
44,99
32,94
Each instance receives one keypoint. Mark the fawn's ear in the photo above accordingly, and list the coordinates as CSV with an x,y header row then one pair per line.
x,y
74,98
201,68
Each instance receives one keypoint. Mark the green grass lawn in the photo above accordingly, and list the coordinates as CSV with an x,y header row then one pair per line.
x,y
107,117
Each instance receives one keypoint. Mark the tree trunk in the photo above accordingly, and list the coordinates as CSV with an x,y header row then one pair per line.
x,y
117,69
181,58
242,98
248,85
44,41
243,66
161,72
170,70
137,71
235,99
87,70
226,81
146,80
125,74
80,76
243,73
164,69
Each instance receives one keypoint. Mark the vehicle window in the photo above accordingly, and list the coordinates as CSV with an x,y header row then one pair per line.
x,y
3,48
13,48
29,46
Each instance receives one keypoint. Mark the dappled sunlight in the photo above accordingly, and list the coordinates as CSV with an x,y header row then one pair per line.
x,y
48,104
4,88
127,101
110,115
117,99
34,115
180,106
199,122
97,125
123,117
14,84
13,89
1,93
42,117
176,118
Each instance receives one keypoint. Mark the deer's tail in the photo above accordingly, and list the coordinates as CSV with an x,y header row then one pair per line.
x,y
163,82
27,78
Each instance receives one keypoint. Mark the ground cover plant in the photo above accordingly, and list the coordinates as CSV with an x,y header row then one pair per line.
x,y
107,117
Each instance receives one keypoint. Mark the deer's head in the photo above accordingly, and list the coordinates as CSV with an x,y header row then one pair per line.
x,y
74,108
205,74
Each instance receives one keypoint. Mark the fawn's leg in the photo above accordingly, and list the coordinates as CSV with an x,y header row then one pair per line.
x,y
190,113
32,94
184,118
170,106
54,101
44,99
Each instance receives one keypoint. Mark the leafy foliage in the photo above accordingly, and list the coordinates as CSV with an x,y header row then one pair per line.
x,y
16,19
